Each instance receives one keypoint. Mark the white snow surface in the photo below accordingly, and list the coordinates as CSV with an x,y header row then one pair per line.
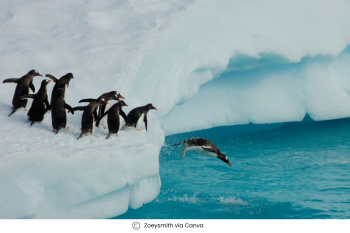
x,y
200,63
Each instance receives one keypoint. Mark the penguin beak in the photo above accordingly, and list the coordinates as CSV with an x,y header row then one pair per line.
x,y
229,163
121,97
39,75
48,80
155,109
72,77
105,102
126,105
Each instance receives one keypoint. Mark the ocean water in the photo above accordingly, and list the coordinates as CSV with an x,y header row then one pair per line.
x,y
279,171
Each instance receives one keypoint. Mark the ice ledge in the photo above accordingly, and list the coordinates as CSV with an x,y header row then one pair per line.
x,y
99,183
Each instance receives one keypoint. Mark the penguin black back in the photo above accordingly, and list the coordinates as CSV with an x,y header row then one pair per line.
x,y
113,118
137,115
65,79
89,116
40,102
58,112
22,88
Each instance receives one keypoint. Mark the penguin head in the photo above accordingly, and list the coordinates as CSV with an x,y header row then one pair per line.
x,y
102,100
224,158
122,103
150,106
119,96
45,82
34,73
69,76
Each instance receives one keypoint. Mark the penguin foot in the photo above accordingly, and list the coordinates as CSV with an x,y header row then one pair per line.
x,y
66,128
95,135
86,134
139,129
55,131
26,110
104,127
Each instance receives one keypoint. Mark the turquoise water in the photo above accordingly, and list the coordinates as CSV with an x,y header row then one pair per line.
x,y
279,171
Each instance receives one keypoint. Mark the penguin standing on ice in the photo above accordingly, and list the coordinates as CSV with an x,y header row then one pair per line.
x,y
108,97
203,147
137,115
40,102
58,110
89,117
65,79
113,118
22,88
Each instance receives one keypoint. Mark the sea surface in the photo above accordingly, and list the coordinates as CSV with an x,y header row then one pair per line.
x,y
279,171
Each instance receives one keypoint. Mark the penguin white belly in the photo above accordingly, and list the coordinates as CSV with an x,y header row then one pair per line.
x,y
200,150
139,121
66,88
93,124
121,121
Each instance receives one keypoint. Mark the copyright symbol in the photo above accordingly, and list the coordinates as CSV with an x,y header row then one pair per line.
x,y
136,225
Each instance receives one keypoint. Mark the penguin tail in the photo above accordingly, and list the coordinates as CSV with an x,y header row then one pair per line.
x,y
108,136
81,135
179,143
13,111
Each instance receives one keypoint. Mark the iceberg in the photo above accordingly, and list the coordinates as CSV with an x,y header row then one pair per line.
x,y
202,64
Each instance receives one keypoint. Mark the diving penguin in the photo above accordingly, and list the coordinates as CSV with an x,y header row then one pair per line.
x,y
40,102
113,118
137,115
22,88
89,116
203,147
108,97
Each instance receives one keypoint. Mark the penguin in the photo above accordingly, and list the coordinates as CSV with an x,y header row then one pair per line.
x,y
22,88
89,117
203,147
58,84
113,118
137,115
109,96
40,102
58,112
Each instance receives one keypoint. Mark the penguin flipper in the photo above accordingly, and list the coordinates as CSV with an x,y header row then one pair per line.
x,y
80,108
13,111
32,123
103,114
67,106
123,115
100,113
29,96
47,109
179,143
51,77
86,100
81,135
31,86
11,80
